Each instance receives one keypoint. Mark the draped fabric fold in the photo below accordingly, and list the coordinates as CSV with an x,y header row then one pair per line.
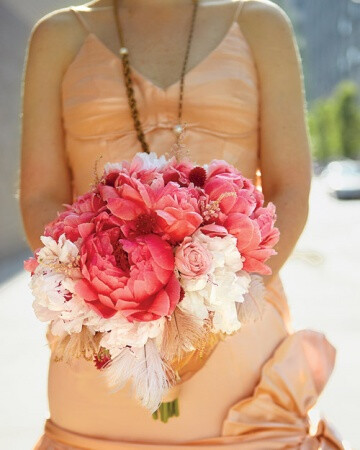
x,y
276,416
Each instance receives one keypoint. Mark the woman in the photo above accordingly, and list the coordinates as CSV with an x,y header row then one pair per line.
x,y
244,102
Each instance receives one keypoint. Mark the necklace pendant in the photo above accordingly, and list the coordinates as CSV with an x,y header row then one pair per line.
x,y
123,51
179,149
178,129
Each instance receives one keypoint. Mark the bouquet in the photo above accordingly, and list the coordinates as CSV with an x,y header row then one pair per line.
x,y
154,264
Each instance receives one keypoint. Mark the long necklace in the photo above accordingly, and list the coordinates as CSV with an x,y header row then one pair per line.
x,y
124,53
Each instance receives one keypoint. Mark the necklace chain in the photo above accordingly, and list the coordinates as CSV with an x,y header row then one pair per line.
x,y
124,53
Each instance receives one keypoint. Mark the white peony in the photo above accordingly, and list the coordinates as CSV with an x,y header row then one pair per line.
x,y
63,251
53,287
119,332
152,161
149,161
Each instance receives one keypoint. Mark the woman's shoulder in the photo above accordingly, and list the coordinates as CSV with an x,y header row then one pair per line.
x,y
268,30
54,39
264,10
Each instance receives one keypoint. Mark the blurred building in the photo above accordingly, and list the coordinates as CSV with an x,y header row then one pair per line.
x,y
329,39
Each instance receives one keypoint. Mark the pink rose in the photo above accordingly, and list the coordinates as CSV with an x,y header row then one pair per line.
x,y
192,259
135,276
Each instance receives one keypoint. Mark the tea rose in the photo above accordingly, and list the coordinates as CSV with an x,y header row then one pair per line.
x,y
192,259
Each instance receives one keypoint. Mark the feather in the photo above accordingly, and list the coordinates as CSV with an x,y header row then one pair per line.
x,y
121,369
152,381
182,333
150,376
73,346
254,304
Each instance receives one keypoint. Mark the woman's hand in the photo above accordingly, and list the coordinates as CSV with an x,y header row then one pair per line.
x,y
45,178
284,147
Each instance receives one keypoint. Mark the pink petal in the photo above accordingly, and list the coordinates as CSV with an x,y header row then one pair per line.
x,y
85,229
30,264
124,209
160,304
102,310
160,251
173,291
84,289
105,300
214,230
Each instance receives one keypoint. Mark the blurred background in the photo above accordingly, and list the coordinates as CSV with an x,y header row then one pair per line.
x,y
321,278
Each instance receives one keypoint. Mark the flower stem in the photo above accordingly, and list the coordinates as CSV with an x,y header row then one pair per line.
x,y
167,410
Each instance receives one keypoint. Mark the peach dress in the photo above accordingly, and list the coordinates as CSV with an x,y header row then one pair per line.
x,y
256,389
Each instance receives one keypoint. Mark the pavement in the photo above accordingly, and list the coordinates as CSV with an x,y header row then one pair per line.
x,y
321,280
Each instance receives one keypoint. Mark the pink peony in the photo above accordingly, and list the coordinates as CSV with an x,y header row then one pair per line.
x,y
243,217
82,211
132,205
135,276
192,259
228,190
178,172
136,169
177,211
256,235
219,167
170,211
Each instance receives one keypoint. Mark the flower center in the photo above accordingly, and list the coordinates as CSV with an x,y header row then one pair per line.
x,y
121,258
145,223
198,176
102,358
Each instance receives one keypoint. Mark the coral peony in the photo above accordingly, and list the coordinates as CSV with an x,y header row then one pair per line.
x,y
178,212
82,211
135,276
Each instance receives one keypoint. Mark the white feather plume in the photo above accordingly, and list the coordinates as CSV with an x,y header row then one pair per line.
x,y
254,304
145,368
121,369
151,382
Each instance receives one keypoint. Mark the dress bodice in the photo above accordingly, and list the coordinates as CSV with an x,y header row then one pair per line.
x,y
220,107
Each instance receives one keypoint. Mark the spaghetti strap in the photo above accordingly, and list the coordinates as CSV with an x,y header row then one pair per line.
x,y
80,18
238,9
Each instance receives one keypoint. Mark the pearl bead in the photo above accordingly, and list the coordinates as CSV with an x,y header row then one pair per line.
x,y
178,129
123,51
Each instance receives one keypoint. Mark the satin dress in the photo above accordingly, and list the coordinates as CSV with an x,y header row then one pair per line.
x,y
257,387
